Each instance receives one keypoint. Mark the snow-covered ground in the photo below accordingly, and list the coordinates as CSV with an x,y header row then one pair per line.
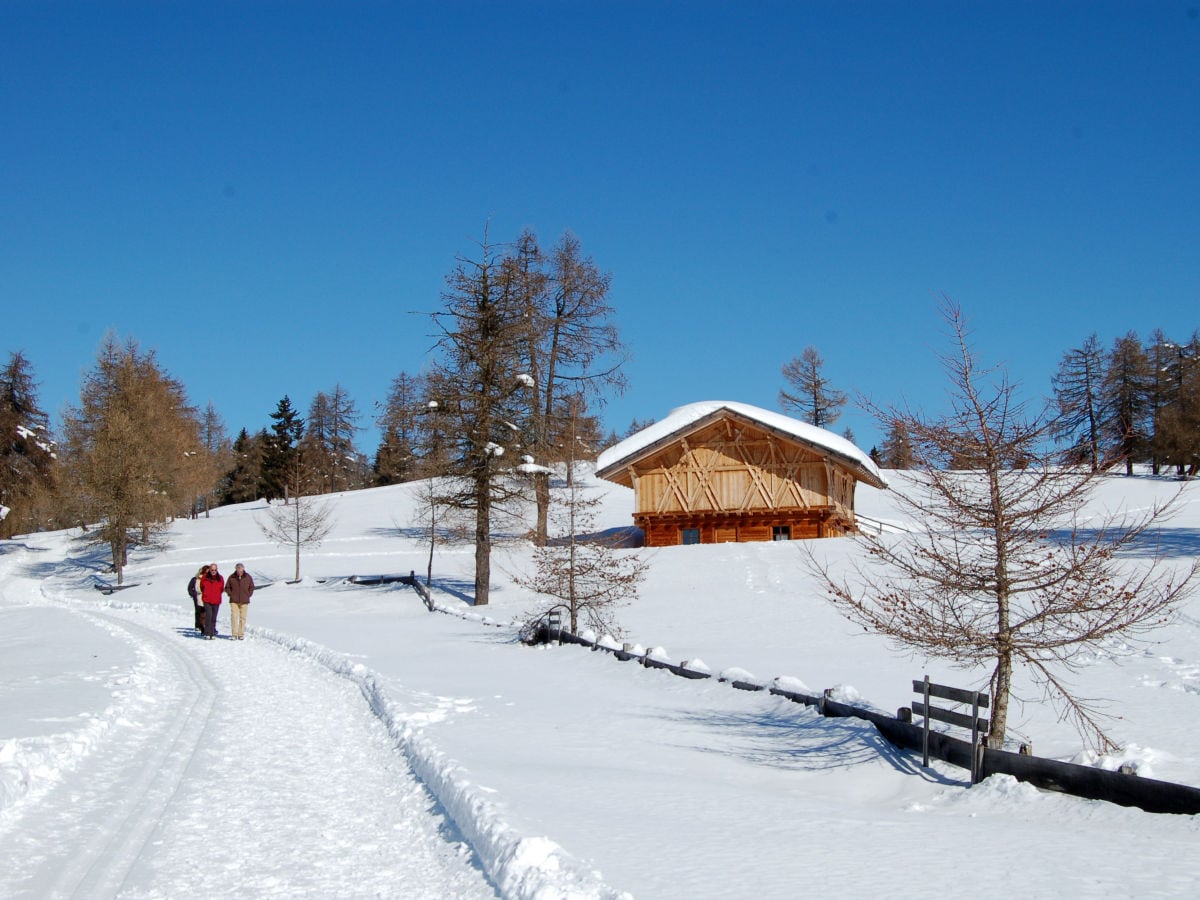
x,y
356,745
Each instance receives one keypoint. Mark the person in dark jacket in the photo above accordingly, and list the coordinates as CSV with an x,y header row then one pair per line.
x,y
197,603
239,587
211,586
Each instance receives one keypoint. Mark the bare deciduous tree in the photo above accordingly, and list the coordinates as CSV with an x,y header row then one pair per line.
x,y
1128,385
215,458
574,353
476,382
400,426
589,576
303,522
808,391
1001,569
1078,387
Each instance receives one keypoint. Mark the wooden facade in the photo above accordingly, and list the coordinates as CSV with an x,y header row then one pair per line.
x,y
728,477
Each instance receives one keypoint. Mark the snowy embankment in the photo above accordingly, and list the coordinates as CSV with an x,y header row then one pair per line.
x,y
522,866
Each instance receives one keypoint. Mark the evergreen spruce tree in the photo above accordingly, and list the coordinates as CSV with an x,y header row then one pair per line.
x,y
26,451
244,481
281,453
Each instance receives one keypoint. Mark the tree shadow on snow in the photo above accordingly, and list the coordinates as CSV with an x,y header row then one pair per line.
x,y
1163,542
457,588
14,545
805,741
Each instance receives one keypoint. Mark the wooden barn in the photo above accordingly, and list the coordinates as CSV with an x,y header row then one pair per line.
x,y
719,471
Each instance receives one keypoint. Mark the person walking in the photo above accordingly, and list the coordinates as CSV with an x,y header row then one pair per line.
x,y
211,586
197,602
239,586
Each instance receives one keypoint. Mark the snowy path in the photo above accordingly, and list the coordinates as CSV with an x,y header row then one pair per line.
x,y
106,809
225,769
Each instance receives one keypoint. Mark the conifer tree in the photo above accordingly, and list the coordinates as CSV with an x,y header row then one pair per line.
x,y
584,573
477,378
244,481
897,450
1127,399
128,444
1177,437
807,391
400,428
281,452
574,352
999,570
1078,390
1159,354
27,451
215,459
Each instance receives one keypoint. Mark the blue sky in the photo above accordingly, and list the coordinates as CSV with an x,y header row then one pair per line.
x,y
270,195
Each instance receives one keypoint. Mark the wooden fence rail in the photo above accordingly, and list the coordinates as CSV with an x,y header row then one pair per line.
x,y
977,726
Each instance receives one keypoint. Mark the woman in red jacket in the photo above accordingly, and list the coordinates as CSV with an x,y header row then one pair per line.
x,y
211,586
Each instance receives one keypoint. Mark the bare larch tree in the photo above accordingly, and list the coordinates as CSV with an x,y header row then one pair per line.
x,y
1002,569
1078,388
585,573
807,390
476,382
304,522
128,447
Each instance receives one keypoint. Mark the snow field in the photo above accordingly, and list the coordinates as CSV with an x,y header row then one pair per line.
x,y
556,764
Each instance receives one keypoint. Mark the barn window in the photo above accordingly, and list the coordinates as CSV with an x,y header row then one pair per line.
x,y
690,536
781,533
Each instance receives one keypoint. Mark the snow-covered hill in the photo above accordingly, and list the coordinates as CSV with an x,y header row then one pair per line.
x,y
357,745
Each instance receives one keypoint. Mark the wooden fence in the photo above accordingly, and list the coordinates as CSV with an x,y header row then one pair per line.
x,y
1088,782
928,712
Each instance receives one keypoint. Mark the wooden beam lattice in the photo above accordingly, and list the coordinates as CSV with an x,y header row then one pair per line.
x,y
702,469
672,489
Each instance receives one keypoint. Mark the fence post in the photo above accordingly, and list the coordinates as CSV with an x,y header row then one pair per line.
x,y
975,754
925,728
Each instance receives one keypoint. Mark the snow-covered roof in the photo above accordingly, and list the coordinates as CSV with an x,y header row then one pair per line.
x,y
681,419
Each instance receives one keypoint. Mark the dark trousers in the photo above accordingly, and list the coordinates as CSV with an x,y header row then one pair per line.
x,y
210,618
198,609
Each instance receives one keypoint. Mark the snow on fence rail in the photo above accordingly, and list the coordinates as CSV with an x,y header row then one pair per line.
x,y
878,526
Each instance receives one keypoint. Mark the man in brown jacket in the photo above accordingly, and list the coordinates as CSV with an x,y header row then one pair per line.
x,y
239,586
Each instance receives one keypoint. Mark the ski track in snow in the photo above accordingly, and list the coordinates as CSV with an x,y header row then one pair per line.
x,y
231,768
238,770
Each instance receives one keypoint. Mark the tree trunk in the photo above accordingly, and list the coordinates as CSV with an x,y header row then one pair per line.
x,y
297,508
1001,684
432,542
483,542
118,555
541,488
